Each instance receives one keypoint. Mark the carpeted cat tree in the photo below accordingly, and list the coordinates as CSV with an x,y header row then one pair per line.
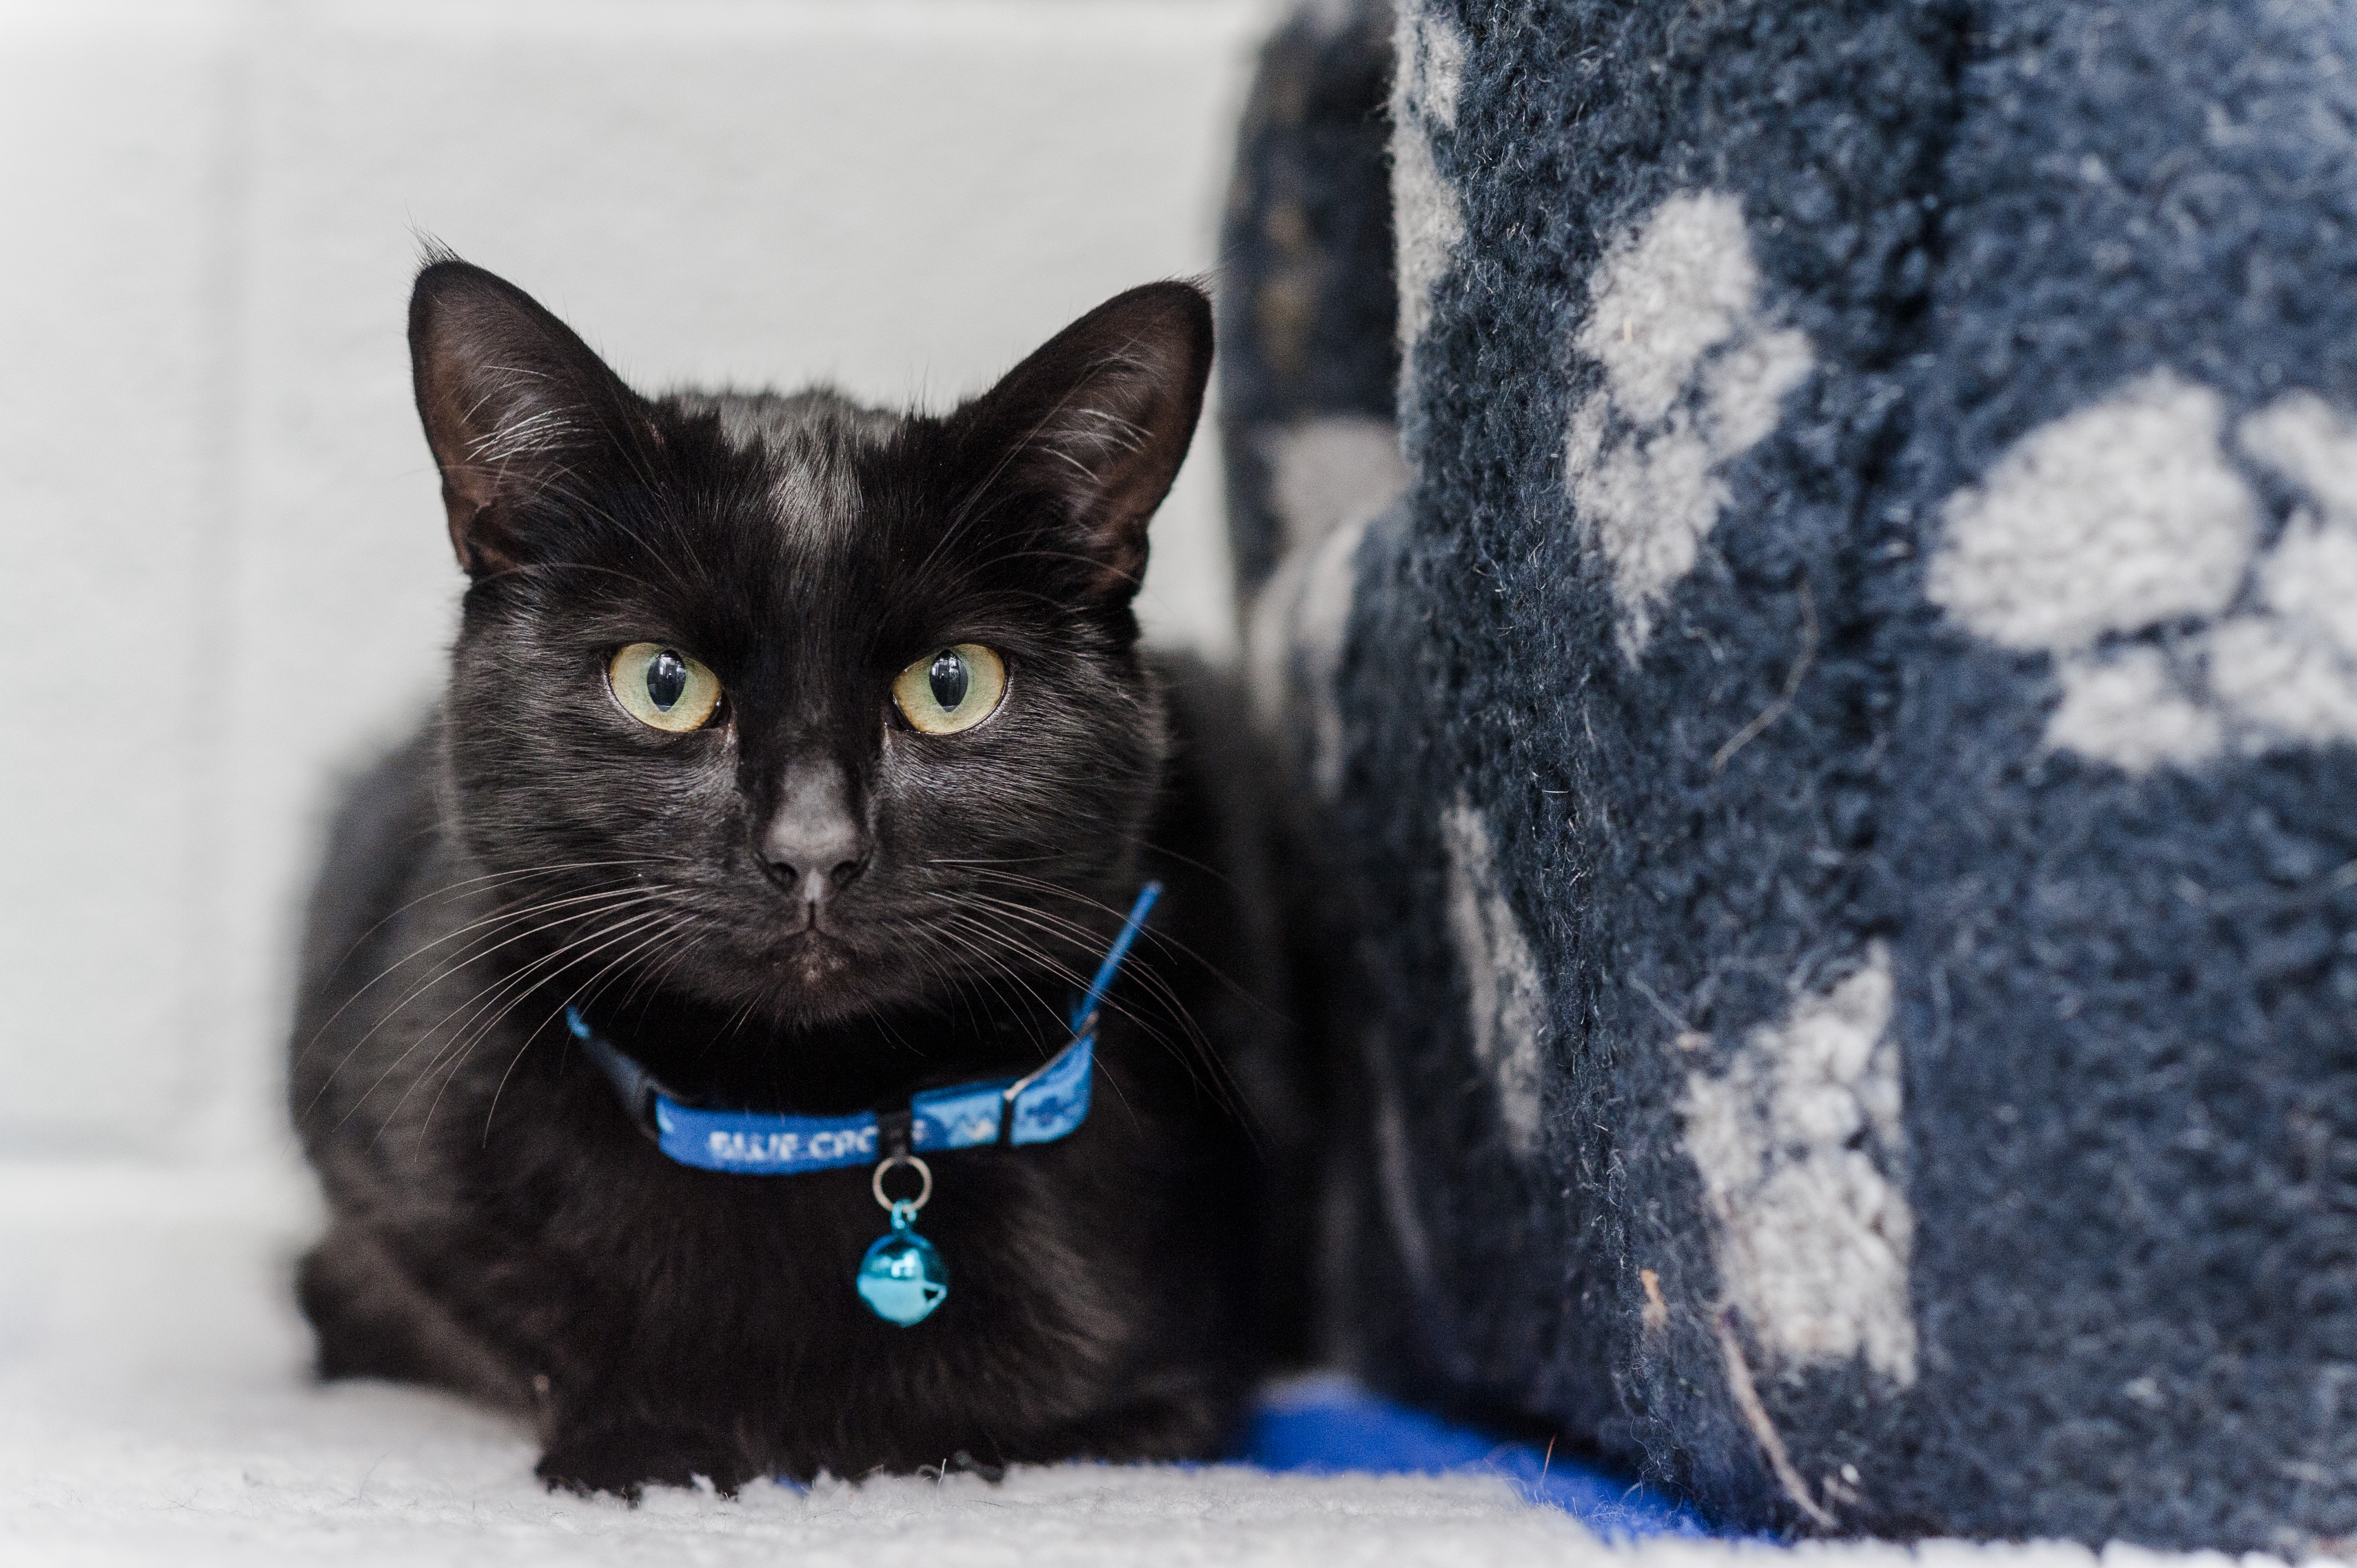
x,y
1827,808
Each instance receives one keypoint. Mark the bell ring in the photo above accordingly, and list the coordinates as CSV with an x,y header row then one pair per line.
x,y
902,1278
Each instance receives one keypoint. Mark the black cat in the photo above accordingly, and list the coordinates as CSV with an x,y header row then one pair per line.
x,y
806,752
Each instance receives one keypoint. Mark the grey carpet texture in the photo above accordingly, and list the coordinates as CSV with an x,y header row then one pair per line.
x,y
1827,804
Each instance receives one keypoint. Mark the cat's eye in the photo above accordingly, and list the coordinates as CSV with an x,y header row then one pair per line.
x,y
951,688
663,688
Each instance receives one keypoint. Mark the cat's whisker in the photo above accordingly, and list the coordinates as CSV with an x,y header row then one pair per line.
x,y
958,917
738,1017
504,912
392,1012
470,1035
958,914
654,975
498,918
502,915
474,1007
1201,1052
526,979
450,1052
657,973
990,947
593,990
1112,1080
980,967
1071,971
611,903
984,941
996,970
1149,934
660,935
451,889
1084,937
898,1041
1144,1024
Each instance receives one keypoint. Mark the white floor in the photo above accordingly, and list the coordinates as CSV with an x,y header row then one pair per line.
x,y
154,1409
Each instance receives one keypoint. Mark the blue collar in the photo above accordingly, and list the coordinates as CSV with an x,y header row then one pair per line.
x,y
1038,1108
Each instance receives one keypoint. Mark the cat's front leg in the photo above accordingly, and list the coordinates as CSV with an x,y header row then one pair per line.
x,y
625,1454
371,1319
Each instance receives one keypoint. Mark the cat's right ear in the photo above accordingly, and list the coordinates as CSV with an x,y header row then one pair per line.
x,y
513,402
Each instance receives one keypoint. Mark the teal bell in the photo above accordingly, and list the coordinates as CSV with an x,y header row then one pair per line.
x,y
902,1278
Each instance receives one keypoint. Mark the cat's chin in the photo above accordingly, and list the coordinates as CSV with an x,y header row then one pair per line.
x,y
814,961
814,979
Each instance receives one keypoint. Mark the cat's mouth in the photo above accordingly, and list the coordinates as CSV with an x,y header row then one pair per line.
x,y
810,951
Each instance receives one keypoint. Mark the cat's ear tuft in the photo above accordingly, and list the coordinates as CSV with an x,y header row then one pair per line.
x,y
513,401
1101,417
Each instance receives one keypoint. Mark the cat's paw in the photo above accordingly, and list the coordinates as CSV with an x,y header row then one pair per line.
x,y
626,1460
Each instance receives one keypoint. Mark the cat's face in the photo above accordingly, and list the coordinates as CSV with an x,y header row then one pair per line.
x,y
809,709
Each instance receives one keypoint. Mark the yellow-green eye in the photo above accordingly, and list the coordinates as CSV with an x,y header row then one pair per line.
x,y
953,690
664,688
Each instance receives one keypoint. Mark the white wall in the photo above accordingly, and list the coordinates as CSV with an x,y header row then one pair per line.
x,y
223,575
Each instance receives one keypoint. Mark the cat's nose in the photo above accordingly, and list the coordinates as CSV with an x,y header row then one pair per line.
x,y
815,845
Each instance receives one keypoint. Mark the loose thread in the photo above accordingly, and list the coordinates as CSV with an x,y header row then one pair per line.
x,y
1782,704
1747,1399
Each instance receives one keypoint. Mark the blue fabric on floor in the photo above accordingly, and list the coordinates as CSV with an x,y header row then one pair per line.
x,y
1325,1426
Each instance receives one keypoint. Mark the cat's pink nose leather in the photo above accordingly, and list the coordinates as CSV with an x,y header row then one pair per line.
x,y
815,843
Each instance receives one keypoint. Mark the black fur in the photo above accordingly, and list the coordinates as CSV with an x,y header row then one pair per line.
x,y
500,1226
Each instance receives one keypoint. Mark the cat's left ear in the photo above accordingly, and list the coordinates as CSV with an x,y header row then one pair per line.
x,y
1100,418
